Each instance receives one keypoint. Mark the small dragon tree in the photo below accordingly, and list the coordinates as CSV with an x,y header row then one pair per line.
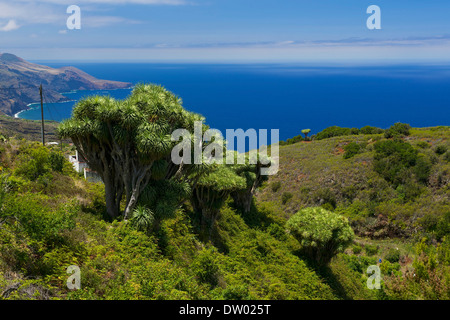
x,y
321,233
306,132
253,178
127,142
213,189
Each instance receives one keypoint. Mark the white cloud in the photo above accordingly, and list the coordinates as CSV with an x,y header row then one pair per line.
x,y
28,13
64,31
11,25
25,12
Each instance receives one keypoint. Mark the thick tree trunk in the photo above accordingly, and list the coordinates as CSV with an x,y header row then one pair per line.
x,y
112,205
243,199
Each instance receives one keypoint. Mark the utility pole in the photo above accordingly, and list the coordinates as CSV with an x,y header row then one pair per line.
x,y
42,116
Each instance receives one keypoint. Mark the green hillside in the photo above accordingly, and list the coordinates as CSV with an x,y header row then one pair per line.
x,y
51,218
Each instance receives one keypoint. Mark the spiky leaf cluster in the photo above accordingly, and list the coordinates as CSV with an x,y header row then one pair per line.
x,y
321,233
128,142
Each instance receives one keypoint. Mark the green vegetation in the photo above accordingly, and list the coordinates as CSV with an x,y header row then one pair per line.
x,y
338,205
397,130
351,150
65,224
336,131
128,143
322,234
306,132
395,193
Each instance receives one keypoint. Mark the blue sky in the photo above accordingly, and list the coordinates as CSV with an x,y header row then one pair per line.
x,y
227,30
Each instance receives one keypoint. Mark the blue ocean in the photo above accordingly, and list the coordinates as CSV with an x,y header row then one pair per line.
x,y
280,96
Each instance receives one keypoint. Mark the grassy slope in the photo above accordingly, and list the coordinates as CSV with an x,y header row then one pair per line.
x,y
315,173
250,256
27,129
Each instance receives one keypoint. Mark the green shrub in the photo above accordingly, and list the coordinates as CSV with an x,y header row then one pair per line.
x,y
321,233
443,226
367,261
356,249
286,197
39,220
56,161
370,130
205,267
33,163
370,249
142,218
293,140
393,255
447,156
275,186
333,131
276,231
353,262
392,160
423,144
422,169
235,292
397,130
440,150
351,150
325,196
390,268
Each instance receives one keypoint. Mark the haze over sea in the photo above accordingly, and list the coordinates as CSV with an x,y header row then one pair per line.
x,y
282,96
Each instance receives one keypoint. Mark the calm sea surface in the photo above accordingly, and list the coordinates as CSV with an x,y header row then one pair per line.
x,y
285,97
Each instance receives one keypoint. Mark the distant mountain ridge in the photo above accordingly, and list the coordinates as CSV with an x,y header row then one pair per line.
x,y
20,81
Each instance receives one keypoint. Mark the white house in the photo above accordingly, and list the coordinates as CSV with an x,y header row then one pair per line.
x,y
78,162
80,165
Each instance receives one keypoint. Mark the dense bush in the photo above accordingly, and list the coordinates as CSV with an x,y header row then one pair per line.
x,y
56,161
370,249
443,226
33,162
447,156
292,140
321,233
397,130
205,267
422,169
392,160
335,131
351,150
356,249
370,130
441,149
286,197
393,255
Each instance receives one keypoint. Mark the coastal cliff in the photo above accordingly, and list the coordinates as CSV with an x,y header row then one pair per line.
x,y
20,81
